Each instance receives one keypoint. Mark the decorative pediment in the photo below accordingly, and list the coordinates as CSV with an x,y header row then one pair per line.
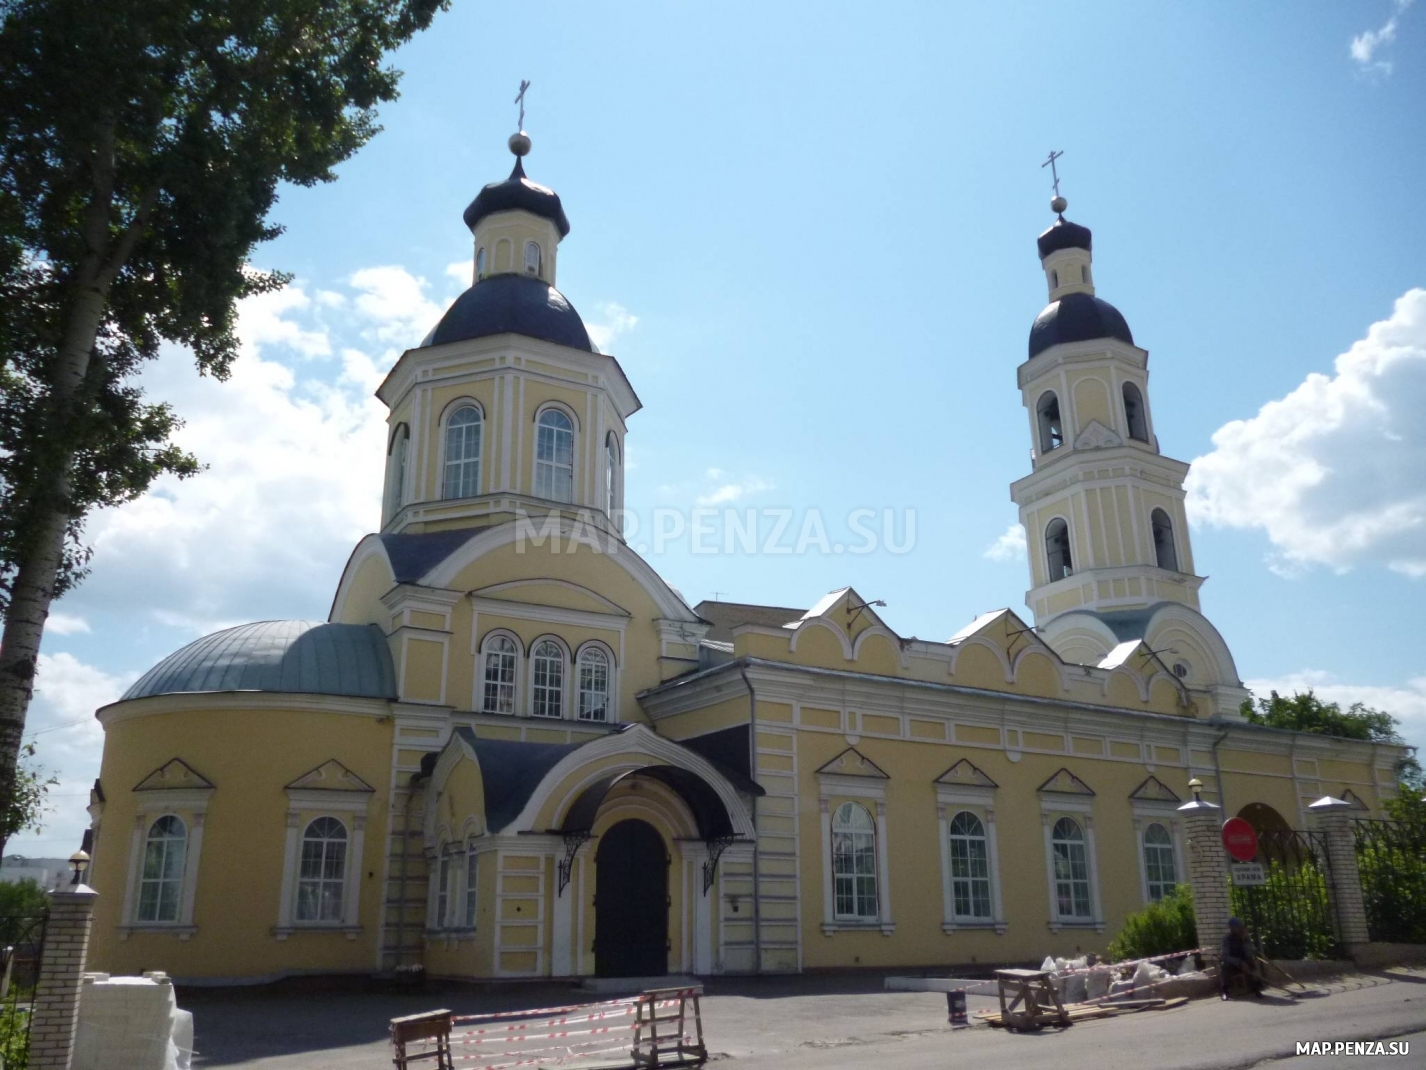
x,y
1066,783
1350,796
1097,437
174,775
965,775
852,762
1154,790
331,775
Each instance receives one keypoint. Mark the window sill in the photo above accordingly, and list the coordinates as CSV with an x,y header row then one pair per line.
x,y
949,927
886,929
1096,926
183,932
351,932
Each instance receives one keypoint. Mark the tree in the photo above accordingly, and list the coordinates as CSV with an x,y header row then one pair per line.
x,y
1305,712
142,143
28,802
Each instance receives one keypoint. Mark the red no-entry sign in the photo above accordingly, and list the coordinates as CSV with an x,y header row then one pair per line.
x,y
1240,839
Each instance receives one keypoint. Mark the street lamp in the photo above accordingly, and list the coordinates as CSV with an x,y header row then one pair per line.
x,y
78,863
1196,786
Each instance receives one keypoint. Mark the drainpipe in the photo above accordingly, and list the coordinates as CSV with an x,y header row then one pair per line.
x,y
753,768
1218,774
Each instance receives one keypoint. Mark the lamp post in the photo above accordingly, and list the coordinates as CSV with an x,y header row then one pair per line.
x,y
78,863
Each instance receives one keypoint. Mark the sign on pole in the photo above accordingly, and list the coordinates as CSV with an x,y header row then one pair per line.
x,y
1240,840
1248,874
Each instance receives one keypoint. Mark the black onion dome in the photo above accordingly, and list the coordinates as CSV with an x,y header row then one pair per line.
x,y
1062,234
517,193
513,304
1077,318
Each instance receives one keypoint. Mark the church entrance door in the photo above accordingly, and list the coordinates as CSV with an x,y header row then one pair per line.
x,y
631,902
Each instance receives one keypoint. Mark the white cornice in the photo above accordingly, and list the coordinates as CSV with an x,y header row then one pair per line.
x,y
1107,350
242,700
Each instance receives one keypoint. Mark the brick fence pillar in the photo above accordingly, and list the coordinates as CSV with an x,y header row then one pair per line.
x,y
61,974
1207,869
1333,819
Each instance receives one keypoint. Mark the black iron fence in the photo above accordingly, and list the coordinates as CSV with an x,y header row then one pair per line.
x,y
1391,857
1289,916
22,940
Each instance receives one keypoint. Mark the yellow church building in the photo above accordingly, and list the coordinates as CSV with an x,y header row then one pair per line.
x,y
514,751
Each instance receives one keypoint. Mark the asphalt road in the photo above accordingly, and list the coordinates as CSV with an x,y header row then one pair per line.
x,y
847,1023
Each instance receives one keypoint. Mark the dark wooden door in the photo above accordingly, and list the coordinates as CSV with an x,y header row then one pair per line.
x,y
631,902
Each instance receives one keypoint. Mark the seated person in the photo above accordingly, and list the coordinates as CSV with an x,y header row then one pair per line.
x,y
1238,958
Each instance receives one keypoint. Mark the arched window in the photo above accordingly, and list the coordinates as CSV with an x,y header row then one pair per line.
x,y
547,679
1057,549
470,886
854,863
1054,280
498,676
321,880
161,880
1134,413
396,470
1052,435
593,685
1165,554
480,263
611,473
970,867
532,258
1071,870
463,433
1084,273
444,872
554,457
1158,861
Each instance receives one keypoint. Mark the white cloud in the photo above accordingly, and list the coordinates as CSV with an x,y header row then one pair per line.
x,y
265,319
65,624
1366,45
461,271
614,321
733,490
394,305
1407,703
1335,472
1009,547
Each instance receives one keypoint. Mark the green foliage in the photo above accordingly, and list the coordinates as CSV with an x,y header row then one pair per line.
x,y
1289,917
1160,928
14,1035
28,803
1391,858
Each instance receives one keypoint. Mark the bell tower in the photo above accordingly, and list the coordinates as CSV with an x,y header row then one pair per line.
x,y
1102,508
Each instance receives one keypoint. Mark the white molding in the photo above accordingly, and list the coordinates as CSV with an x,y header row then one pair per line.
x,y
299,702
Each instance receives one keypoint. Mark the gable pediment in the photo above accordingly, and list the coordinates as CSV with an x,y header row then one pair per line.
x,y
1096,436
174,775
1066,783
852,762
1154,790
331,775
1350,796
965,775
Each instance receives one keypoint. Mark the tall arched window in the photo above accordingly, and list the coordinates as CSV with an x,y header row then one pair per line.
x,y
396,469
161,880
554,457
1158,862
444,873
970,867
322,879
1057,549
1052,435
547,679
470,886
463,434
532,258
1071,870
480,263
593,685
611,473
498,675
1165,554
1134,413
854,863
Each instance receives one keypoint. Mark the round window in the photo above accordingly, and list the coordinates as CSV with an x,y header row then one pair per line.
x,y
1180,669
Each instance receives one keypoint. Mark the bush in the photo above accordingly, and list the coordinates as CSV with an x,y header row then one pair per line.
x,y
1159,929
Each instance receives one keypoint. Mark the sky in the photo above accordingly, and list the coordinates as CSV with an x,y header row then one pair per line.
x,y
807,233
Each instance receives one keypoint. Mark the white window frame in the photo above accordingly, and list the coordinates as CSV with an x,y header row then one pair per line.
x,y
1069,548
870,792
1175,565
470,886
485,652
610,716
1043,434
613,456
167,843
480,262
1081,810
443,874
980,802
533,265
398,453
344,840
447,461
552,468
565,663
1152,812
305,805
852,807
189,805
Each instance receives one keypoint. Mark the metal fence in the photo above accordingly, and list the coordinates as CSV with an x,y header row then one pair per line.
x,y
1290,916
1391,857
22,941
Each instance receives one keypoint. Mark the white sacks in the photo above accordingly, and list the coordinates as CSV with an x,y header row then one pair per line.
x,y
131,1023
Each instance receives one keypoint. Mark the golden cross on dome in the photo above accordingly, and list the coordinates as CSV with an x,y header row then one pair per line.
x,y
520,100
1050,163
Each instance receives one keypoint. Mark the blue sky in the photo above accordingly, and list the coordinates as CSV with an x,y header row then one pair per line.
x,y
807,231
